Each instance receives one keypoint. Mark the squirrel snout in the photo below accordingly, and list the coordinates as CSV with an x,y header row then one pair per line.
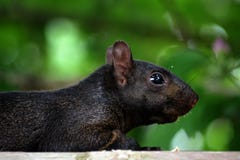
x,y
195,98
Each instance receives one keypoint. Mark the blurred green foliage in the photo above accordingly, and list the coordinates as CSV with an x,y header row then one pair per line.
x,y
49,44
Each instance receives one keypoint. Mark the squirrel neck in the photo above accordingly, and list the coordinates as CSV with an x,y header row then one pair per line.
x,y
136,116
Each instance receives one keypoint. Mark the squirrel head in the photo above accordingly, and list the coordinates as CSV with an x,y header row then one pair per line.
x,y
152,91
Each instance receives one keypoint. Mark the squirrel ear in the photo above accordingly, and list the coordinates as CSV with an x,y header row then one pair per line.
x,y
122,62
109,56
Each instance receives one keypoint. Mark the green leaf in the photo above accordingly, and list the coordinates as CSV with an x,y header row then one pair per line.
x,y
219,134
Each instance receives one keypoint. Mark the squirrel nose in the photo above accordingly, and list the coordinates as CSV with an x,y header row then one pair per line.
x,y
195,100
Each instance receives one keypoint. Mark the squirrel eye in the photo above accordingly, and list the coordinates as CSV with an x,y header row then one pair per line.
x,y
157,78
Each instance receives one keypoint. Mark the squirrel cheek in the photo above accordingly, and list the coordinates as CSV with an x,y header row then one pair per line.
x,y
172,90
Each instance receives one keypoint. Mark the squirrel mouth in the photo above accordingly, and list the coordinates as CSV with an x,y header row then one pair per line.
x,y
170,115
170,110
164,119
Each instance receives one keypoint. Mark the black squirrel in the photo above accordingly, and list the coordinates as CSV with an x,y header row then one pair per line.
x,y
96,113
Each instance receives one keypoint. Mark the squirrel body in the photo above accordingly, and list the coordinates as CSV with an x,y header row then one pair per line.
x,y
96,113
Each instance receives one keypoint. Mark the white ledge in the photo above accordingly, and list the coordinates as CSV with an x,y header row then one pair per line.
x,y
120,155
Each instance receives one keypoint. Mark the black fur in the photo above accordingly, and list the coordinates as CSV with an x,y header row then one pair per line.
x,y
96,113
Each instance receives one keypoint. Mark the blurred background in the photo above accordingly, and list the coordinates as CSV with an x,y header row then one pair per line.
x,y
46,44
